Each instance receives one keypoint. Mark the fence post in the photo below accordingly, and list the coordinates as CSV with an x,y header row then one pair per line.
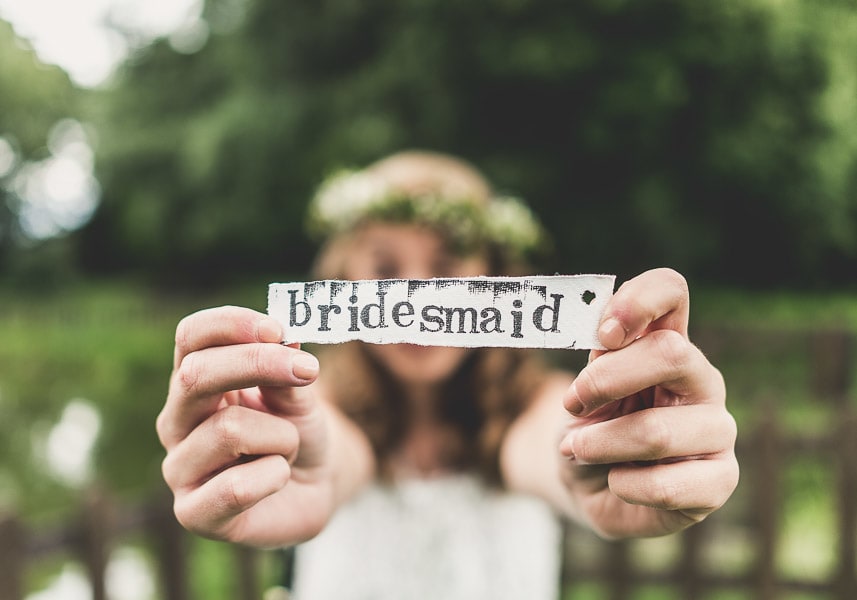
x,y
247,572
767,491
12,553
687,571
846,579
94,544
833,366
171,540
619,565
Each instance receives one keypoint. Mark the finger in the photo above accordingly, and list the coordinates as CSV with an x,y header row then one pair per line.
x,y
691,486
214,507
662,358
657,299
223,326
228,436
199,384
593,354
214,371
653,434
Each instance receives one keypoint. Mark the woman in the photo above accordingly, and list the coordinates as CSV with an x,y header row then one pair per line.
x,y
433,471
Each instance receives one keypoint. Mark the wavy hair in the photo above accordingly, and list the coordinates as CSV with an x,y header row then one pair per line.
x,y
486,393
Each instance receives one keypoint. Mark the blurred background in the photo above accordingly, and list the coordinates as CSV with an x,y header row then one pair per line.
x,y
157,158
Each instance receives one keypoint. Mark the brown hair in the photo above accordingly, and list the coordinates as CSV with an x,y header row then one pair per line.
x,y
489,389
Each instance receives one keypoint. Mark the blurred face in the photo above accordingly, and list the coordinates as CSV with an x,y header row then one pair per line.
x,y
406,251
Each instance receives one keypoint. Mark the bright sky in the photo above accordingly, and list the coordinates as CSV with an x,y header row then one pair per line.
x,y
60,193
76,35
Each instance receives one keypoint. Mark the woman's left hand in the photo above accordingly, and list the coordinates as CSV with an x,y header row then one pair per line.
x,y
651,444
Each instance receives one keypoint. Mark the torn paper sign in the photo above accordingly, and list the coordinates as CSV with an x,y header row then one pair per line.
x,y
516,312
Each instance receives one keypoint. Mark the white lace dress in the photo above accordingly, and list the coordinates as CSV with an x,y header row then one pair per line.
x,y
447,538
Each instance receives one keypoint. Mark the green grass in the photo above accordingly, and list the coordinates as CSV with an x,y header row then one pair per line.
x,y
109,347
788,310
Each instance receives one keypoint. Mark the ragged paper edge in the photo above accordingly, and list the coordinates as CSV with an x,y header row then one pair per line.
x,y
512,312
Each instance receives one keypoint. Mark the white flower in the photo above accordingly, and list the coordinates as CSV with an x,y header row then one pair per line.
x,y
511,222
344,198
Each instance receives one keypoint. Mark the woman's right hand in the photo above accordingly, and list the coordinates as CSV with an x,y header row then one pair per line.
x,y
248,448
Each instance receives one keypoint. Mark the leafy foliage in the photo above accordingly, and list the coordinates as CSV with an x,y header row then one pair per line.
x,y
708,138
33,97
108,347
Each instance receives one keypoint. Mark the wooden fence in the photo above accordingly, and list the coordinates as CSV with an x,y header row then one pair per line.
x,y
765,449
89,539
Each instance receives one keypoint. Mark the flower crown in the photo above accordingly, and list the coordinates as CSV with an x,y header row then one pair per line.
x,y
348,198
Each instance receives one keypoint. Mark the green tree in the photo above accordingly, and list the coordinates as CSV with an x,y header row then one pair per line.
x,y
664,132
33,98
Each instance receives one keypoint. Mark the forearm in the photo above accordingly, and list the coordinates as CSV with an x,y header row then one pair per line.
x,y
352,461
530,461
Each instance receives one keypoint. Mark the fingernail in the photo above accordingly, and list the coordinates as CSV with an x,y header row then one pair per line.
x,y
566,446
611,333
269,330
572,401
304,366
